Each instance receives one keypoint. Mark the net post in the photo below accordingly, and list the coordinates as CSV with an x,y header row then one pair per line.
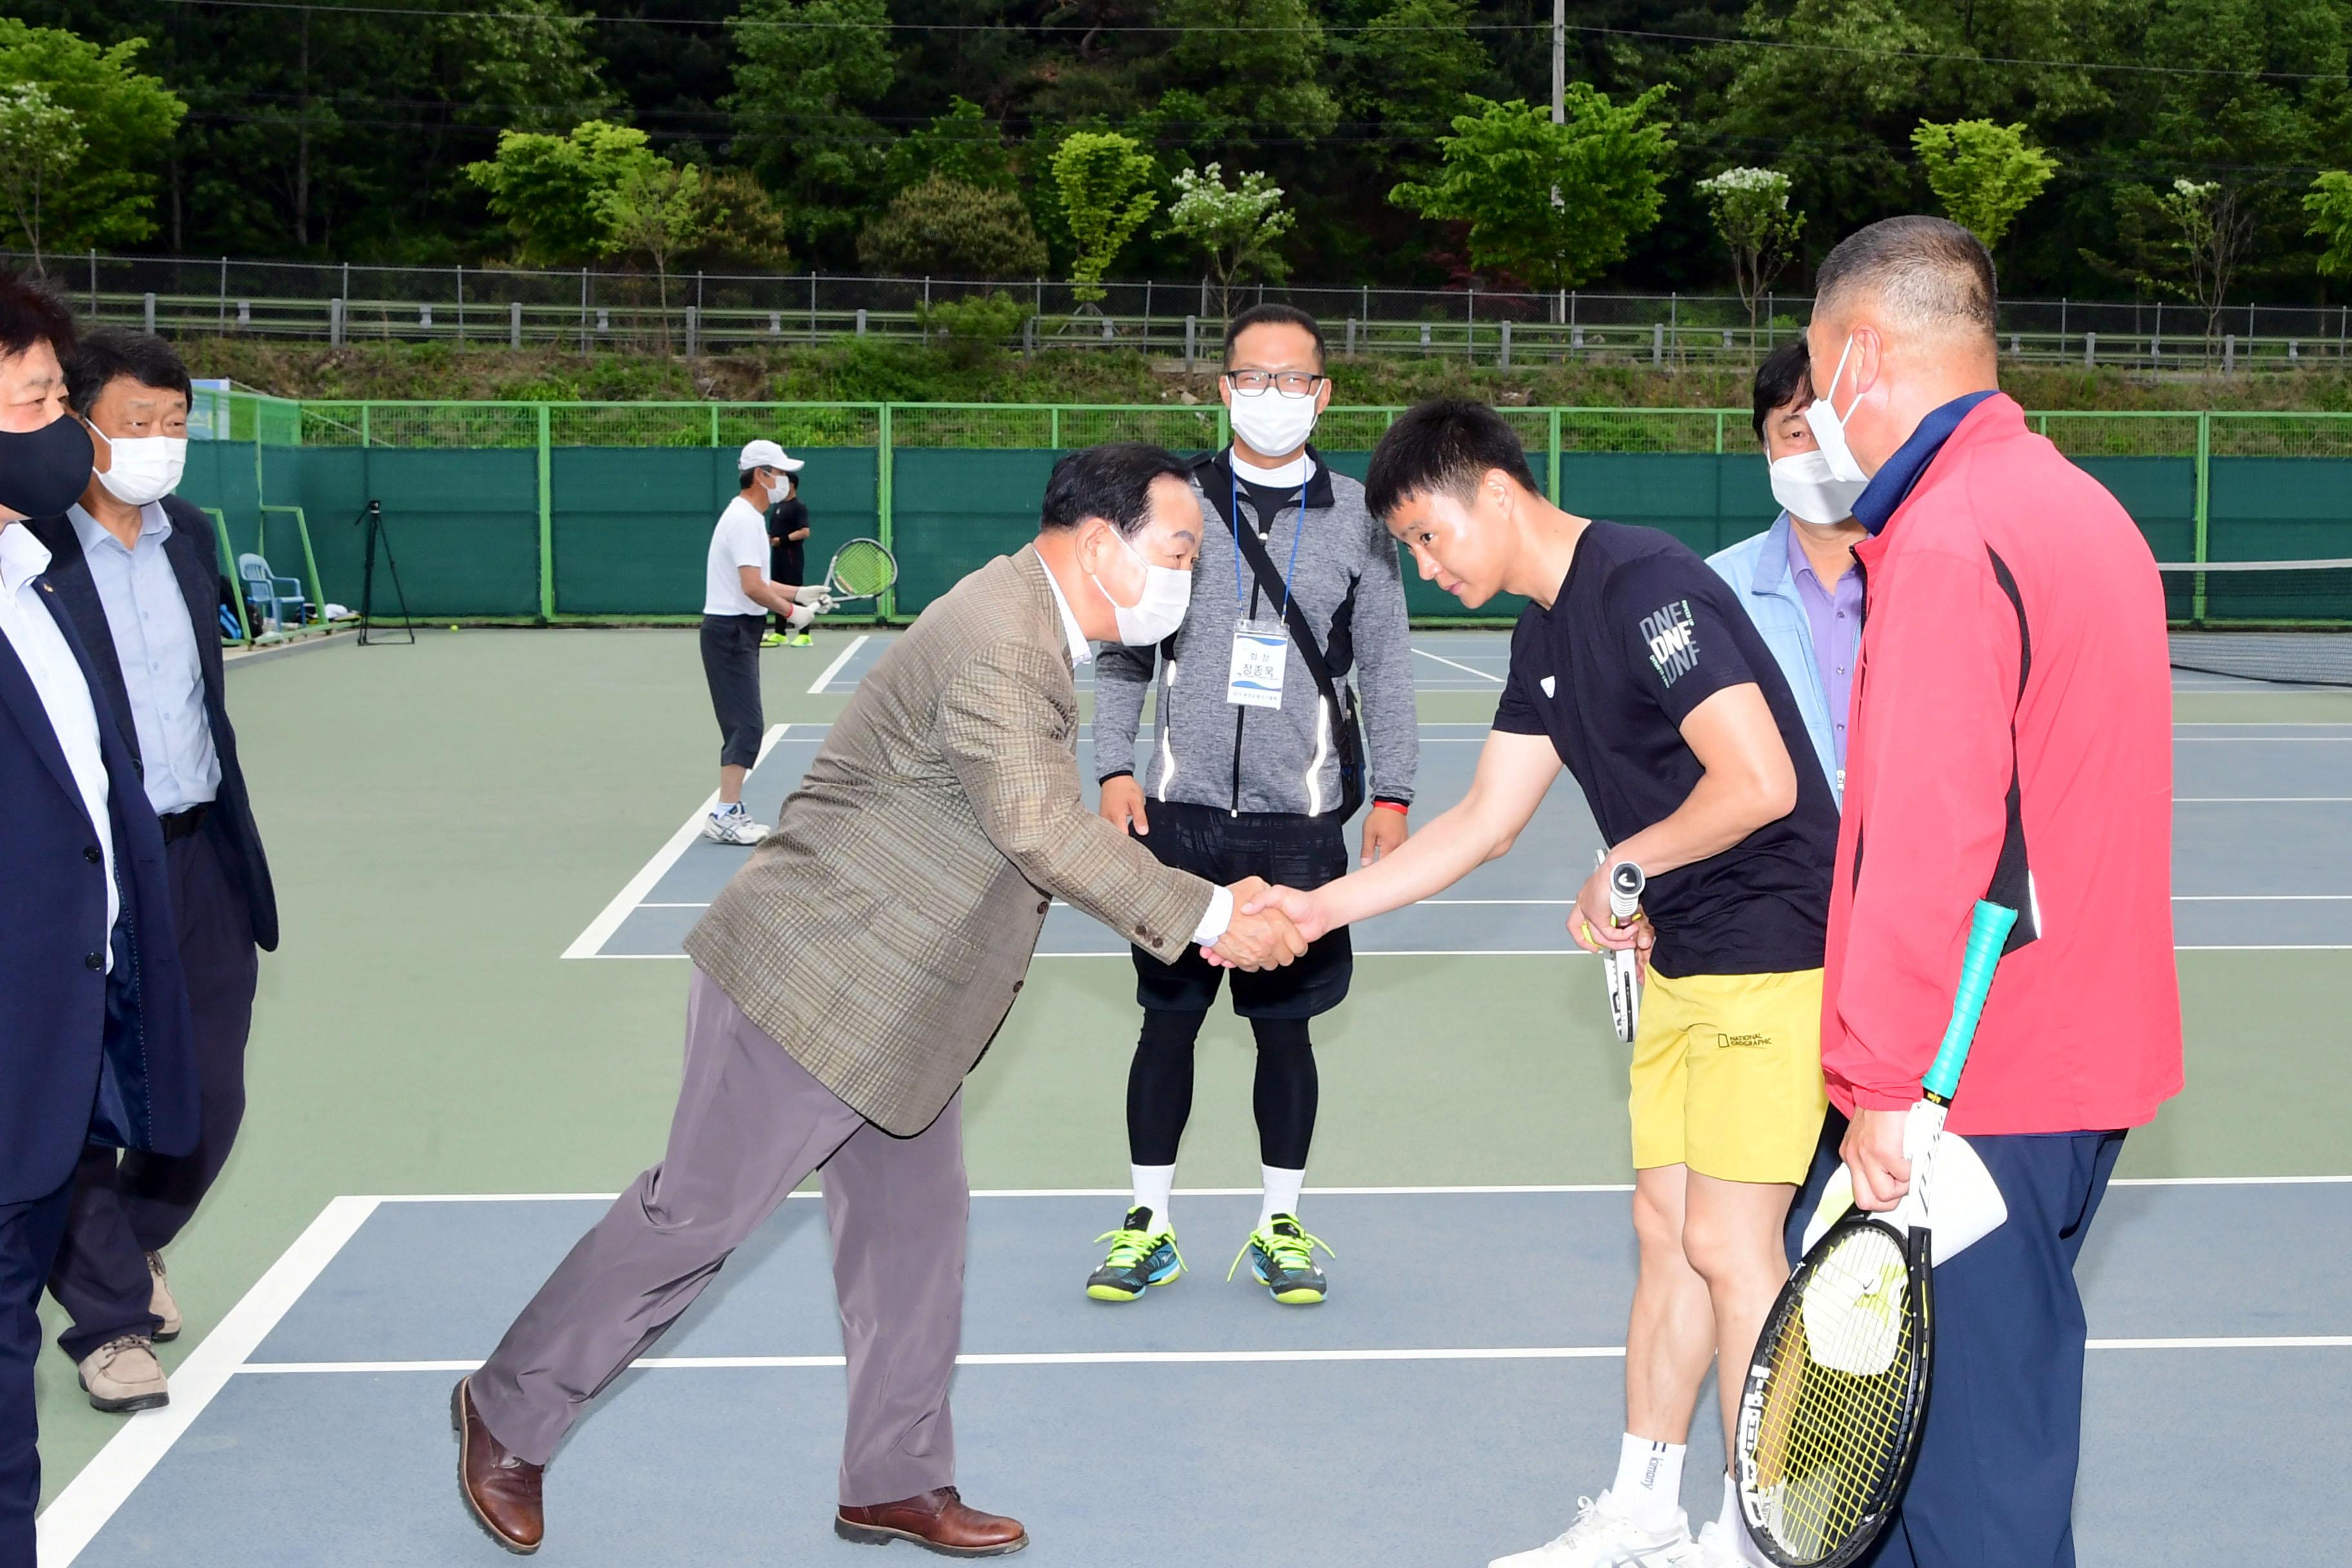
x,y
2204,495
546,516
884,523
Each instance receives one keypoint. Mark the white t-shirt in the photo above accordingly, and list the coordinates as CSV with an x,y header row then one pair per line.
x,y
740,540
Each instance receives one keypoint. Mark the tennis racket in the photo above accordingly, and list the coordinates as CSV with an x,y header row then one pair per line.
x,y
1830,1415
861,569
1625,884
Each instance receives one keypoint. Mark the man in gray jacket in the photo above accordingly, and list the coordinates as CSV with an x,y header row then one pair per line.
x,y
1245,777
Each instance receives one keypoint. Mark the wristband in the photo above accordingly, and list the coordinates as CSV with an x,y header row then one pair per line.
x,y
1390,806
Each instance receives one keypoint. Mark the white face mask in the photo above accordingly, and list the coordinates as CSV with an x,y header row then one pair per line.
x,y
1272,425
1822,417
1804,482
145,469
1154,617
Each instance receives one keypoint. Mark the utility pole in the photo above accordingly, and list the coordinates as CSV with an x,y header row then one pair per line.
x,y
1559,62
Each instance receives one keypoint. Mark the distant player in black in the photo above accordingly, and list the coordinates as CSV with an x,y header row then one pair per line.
x,y
788,531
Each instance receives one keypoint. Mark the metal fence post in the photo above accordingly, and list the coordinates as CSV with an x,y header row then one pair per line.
x,y
884,461
1657,343
1504,359
2090,350
1352,335
1554,476
1054,428
2204,492
151,314
693,330
335,309
2229,353
584,310
1470,327
546,508
1192,341
714,425
514,324
1719,432
93,280
861,321
461,302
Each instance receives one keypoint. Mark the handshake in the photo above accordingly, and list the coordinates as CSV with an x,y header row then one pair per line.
x,y
1271,926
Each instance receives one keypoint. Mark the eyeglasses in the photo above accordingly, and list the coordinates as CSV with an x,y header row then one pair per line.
x,y
1289,382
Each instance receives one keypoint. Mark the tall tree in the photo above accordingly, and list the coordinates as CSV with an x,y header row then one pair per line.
x,y
1240,75
2329,206
555,192
654,211
945,228
91,111
1552,206
1750,207
1983,174
1104,182
40,142
808,75
1235,228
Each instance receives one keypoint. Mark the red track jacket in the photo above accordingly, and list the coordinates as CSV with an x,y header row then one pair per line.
x,y
2063,685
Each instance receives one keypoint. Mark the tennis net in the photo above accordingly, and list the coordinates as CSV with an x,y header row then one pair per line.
x,y
2286,621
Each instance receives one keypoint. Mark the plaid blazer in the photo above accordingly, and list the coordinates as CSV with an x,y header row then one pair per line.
x,y
881,933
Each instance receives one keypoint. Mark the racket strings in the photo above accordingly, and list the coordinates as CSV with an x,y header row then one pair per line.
x,y
864,568
1837,1399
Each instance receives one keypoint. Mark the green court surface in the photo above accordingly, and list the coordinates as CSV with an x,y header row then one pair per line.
x,y
445,820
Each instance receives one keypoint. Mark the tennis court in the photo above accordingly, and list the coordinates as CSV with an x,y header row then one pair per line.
x,y
473,833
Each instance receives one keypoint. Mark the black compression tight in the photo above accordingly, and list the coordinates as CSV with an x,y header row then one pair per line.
x,y
1159,1089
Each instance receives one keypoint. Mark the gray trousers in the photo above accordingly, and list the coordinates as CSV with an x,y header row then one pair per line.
x,y
751,1125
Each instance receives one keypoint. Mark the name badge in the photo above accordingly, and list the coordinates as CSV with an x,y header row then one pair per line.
x,y
1261,654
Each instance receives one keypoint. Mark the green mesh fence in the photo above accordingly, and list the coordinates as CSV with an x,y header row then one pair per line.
x,y
548,512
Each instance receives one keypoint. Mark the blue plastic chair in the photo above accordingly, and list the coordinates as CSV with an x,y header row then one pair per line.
x,y
272,596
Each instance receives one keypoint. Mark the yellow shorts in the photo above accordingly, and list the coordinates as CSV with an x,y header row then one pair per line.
x,y
1728,1074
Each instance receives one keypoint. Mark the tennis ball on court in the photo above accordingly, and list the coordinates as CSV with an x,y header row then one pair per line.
x,y
453,625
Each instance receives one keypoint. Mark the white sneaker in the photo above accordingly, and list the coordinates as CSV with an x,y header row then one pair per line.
x,y
733,826
1719,1547
1603,1538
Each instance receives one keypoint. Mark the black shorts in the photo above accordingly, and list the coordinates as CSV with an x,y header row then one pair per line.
x,y
1293,851
730,663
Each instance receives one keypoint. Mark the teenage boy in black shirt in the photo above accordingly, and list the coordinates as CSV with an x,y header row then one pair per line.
x,y
1638,669
788,531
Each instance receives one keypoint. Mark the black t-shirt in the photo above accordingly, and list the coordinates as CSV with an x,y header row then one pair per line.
x,y
785,559
1643,632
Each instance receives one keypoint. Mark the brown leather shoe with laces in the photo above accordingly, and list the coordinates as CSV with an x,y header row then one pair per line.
x,y
501,1490
937,1521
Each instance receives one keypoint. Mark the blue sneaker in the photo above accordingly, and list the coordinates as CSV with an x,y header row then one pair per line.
x,y
1282,1256
1140,1257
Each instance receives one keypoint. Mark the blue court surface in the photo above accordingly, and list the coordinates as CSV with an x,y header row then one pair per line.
x,y
2261,834
1445,1405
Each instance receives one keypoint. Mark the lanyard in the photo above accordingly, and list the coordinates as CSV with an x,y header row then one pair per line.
x,y
1233,503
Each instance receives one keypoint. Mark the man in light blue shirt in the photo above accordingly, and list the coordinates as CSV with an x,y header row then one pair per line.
x,y
1798,578
136,570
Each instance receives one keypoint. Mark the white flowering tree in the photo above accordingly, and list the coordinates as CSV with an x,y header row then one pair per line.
x,y
40,142
1750,207
1236,226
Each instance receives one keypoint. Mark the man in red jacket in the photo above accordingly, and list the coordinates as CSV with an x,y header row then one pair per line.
x,y
2012,735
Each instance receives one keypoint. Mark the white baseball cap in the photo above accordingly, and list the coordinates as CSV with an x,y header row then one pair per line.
x,y
766,455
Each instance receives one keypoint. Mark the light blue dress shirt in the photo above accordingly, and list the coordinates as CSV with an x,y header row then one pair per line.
x,y
155,644
1757,570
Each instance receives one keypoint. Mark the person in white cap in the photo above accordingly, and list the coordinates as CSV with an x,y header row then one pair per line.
x,y
736,597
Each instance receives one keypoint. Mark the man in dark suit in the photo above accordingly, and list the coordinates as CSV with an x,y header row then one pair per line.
x,y
94,1031
135,569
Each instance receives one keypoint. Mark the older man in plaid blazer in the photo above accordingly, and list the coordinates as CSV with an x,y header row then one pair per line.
x,y
845,981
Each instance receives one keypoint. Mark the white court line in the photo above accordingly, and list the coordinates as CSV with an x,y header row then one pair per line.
x,y
2262,739
1463,667
2261,799
81,1510
839,659
2261,898
600,929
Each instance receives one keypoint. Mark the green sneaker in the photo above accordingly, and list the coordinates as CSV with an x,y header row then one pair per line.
x,y
1282,1256
773,640
804,640
1140,1257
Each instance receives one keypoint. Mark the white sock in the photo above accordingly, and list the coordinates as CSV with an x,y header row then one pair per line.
x,y
1282,1190
1154,1184
1649,1484
1736,1527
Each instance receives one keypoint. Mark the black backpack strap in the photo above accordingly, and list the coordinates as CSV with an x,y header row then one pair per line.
x,y
1302,635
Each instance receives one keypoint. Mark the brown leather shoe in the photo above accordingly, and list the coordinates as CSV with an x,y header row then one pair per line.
x,y
937,1521
501,1490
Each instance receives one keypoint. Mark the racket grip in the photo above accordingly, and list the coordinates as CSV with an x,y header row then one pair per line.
x,y
1625,884
1987,931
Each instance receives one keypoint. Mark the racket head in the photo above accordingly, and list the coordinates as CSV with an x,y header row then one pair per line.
x,y
1830,1411
862,569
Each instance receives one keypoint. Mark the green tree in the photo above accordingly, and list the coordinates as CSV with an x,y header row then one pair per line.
x,y
1983,174
1236,68
742,229
1406,67
807,72
2330,206
40,142
124,120
946,228
1103,180
1234,227
2190,240
1551,204
962,145
553,191
1750,209
655,210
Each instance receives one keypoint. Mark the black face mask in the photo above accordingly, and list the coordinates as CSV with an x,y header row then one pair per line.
x,y
44,471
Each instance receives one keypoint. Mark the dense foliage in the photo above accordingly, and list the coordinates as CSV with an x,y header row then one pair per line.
x,y
2115,146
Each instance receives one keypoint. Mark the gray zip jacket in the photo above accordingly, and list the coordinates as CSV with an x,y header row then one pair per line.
x,y
1210,752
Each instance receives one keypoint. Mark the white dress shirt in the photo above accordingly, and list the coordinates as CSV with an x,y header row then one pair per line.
x,y
1221,900
155,645
41,647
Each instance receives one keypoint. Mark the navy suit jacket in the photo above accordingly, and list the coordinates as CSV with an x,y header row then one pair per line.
x,y
85,1056
195,564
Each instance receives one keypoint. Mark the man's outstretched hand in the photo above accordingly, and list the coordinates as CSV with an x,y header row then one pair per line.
x,y
1258,939
1298,913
